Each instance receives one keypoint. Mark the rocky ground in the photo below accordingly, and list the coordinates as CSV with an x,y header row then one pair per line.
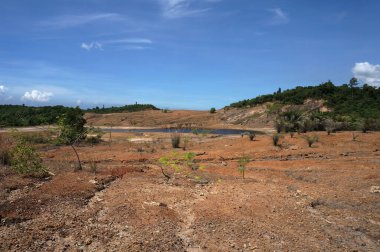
x,y
293,198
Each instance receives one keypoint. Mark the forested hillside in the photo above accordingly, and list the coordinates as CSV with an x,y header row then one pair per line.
x,y
344,100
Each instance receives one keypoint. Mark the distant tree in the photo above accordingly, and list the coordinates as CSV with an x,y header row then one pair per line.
x,y
353,83
212,110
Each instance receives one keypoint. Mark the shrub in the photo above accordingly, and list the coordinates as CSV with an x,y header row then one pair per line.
x,y
26,161
94,135
368,124
93,166
186,141
311,139
276,138
5,155
212,110
251,136
329,125
279,125
36,138
176,139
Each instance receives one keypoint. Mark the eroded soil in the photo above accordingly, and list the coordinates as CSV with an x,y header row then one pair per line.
x,y
293,198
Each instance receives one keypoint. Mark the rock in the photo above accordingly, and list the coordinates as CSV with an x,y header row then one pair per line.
x,y
375,189
93,181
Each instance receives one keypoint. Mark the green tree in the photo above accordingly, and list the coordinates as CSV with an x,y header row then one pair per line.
x,y
212,110
353,83
71,126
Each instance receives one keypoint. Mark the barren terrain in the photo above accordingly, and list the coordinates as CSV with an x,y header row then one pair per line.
x,y
293,198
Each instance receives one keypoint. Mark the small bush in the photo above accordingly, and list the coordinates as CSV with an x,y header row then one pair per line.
x,y
93,139
330,125
311,139
5,157
176,139
212,110
26,161
276,138
5,147
368,124
252,136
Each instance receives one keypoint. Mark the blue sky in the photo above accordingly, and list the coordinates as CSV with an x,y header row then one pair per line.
x,y
188,54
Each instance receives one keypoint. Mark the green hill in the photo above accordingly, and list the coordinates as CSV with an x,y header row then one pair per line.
x,y
355,102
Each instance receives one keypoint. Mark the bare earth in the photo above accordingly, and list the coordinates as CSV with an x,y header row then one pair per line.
x,y
293,198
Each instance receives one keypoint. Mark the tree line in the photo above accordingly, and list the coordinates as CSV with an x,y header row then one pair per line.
x,y
21,115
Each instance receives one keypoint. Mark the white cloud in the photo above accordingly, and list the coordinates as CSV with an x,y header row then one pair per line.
x,y
68,21
278,17
136,43
2,89
92,45
180,9
129,40
368,73
36,95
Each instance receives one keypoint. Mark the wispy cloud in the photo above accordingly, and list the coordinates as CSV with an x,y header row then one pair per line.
x,y
278,17
68,21
367,73
126,43
181,8
92,45
37,96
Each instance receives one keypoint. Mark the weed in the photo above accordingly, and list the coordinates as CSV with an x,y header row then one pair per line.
x,y
93,166
243,161
354,136
178,163
311,139
189,159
